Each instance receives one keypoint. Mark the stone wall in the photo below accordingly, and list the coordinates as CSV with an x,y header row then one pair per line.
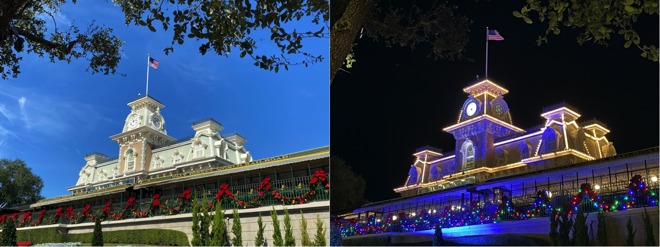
x,y
183,222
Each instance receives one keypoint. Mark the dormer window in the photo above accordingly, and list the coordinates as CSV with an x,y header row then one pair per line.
x,y
468,155
177,157
199,150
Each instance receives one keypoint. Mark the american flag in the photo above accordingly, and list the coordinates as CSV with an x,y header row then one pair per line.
x,y
494,35
153,63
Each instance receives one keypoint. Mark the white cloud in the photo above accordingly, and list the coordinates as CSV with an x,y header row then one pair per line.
x,y
6,113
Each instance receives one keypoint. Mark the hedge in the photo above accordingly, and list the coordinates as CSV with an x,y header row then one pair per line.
x,y
161,237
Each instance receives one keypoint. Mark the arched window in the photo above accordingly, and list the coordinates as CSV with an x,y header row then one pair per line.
x,y
413,175
434,174
468,155
524,150
548,141
130,159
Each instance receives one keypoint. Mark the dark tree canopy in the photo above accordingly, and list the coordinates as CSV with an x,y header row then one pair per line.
x,y
434,24
349,193
220,26
597,21
22,30
17,183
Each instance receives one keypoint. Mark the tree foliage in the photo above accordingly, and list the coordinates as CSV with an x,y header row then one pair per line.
x,y
304,235
319,237
580,233
601,234
277,234
196,237
349,194
223,25
237,240
436,24
219,228
650,237
289,240
630,239
220,26
597,21
97,237
24,29
437,236
259,239
18,185
8,234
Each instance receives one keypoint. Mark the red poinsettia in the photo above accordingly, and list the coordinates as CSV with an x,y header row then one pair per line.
x,y
319,175
130,202
265,184
27,216
85,211
69,212
224,191
186,194
41,216
58,213
106,209
3,218
155,202
24,243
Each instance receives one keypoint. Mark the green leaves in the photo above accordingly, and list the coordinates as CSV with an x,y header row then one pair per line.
x,y
596,21
223,25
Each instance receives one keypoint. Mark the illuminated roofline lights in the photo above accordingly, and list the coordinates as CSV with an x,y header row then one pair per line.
x,y
557,154
577,115
598,126
476,87
505,124
519,138
426,151
458,175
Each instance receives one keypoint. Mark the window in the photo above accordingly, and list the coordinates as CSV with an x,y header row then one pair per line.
x,y
413,175
524,150
549,141
468,155
177,159
199,150
130,159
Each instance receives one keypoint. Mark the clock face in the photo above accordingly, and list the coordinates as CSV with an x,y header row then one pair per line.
x,y
156,121
471,108
498,109
133,122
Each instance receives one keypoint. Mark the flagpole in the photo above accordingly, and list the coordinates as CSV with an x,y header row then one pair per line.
x,y
486,53
148,56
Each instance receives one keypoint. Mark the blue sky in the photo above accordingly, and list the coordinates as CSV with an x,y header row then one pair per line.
x,y
55,113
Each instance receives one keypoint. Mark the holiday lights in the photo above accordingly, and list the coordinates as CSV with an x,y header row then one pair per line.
x,y
481,212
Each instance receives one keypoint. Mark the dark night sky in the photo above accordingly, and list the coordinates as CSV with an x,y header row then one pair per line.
x,y
395,100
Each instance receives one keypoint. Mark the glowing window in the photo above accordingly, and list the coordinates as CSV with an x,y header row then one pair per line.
x,y
468,155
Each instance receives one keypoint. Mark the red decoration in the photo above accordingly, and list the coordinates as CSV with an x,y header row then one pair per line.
x,y
319,175
155,202
224,191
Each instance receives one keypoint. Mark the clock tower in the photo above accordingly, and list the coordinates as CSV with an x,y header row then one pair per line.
x,y
483,117
144,130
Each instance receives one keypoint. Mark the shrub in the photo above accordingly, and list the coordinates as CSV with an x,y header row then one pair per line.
x,y
602,229
304,236
437,236
580,235
277,235
259,240
160,237
630,240
8,234
236,230
554,223
319,238
335,236
650,238
205,222
97,237
196,238
289,240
